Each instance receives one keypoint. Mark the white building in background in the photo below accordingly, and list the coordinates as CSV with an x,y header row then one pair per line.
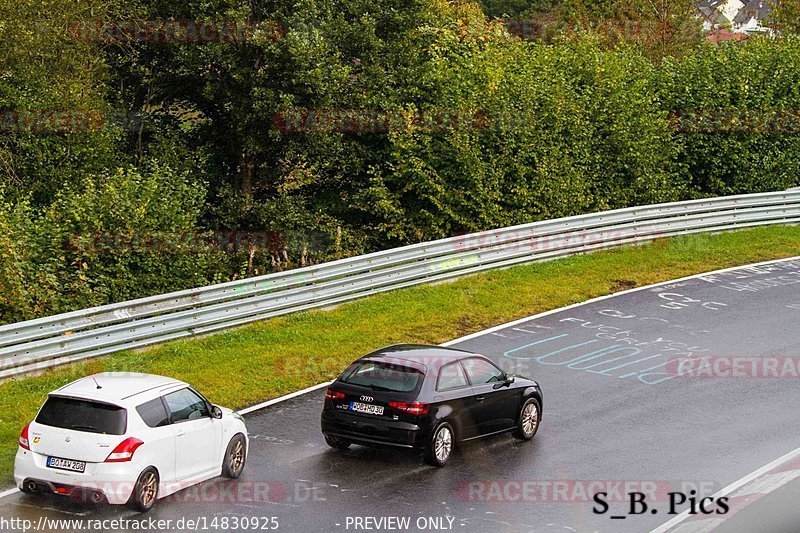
x,y
754,17
739,16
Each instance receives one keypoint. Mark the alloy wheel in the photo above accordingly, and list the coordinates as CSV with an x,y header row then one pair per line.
x,y
530,418
443,443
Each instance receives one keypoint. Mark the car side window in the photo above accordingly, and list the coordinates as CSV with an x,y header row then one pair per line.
x,y
451,376
481,371
186,404
154,413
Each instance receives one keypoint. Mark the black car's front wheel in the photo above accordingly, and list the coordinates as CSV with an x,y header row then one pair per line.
x,y
337,443
529,416
440,448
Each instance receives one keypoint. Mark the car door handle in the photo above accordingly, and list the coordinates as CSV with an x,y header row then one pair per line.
x,y
181,433
480,399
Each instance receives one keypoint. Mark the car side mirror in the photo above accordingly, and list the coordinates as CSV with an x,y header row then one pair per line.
x,y
507,380
216,412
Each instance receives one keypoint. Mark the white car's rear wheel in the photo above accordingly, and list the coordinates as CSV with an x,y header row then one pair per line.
x,y
145,492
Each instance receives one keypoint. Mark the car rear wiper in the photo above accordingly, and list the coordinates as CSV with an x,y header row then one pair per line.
x,y
378,387
90,428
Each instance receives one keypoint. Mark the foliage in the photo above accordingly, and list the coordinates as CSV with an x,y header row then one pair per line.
x,y
517,8
338,127
786,16
747,140
662,28
120,235
52,102
558,130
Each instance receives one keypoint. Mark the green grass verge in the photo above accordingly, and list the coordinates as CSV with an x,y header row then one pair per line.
x,y
277,356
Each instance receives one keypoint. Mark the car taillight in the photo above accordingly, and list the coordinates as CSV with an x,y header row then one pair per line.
x,y
334,395
124,451
413,408
23,438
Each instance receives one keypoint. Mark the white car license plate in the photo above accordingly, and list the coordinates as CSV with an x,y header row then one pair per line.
x,y
366,408
66,464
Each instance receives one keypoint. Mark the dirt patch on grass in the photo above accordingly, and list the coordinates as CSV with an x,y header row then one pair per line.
x,y
618,285
465,325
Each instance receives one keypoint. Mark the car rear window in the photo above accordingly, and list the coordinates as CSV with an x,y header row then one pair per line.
x,y
451,377
153,413
382,376
83,415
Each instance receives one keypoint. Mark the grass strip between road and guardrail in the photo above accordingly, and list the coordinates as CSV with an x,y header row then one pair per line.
x,y
281,355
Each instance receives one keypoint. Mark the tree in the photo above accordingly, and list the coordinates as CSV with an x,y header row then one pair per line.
x,y
517,8
786,16
661,27
54,124
116,236
734,112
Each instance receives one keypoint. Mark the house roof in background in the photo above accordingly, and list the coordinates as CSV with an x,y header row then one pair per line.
x,y
754,9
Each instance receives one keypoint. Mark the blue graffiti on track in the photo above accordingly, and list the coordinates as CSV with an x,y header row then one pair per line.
x,y
597,357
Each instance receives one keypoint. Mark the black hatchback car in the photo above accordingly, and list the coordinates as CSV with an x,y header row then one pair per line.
x,y
428,398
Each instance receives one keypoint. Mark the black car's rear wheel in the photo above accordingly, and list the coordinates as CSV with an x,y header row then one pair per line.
x,y
337,443
440,448
529,416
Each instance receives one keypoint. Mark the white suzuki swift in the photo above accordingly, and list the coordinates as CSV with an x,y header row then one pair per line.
x,y
128,438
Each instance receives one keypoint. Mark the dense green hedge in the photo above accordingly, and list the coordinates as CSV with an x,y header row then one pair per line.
x,y
424,120
746,139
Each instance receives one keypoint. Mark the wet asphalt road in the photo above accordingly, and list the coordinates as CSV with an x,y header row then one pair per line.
x,y
778,513
616,416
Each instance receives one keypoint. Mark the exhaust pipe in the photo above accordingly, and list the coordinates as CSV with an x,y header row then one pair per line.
x,y
31,486
96,496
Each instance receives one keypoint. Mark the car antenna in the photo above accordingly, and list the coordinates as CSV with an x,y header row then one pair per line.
x,y
96,383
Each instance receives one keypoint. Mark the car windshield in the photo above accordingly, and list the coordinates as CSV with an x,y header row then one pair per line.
x,y
83,415
376,375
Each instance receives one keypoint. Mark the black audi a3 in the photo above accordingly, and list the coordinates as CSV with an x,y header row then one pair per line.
x,y
429,398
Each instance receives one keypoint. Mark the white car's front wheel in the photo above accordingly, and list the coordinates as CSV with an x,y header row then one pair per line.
x,y
235,457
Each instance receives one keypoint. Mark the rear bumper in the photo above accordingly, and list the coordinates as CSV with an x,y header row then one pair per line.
x,y
78,493
110,480
372,431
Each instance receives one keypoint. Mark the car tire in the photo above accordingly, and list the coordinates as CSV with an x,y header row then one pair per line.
x,y
145,491
440,448
337,443
235,457
529,417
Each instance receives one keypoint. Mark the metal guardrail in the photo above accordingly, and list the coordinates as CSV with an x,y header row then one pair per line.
x,y
37,344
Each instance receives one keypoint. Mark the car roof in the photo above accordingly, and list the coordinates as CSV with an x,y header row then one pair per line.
x,y
421,353
118,387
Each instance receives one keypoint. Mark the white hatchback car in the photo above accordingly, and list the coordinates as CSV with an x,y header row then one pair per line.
x,y
128,438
